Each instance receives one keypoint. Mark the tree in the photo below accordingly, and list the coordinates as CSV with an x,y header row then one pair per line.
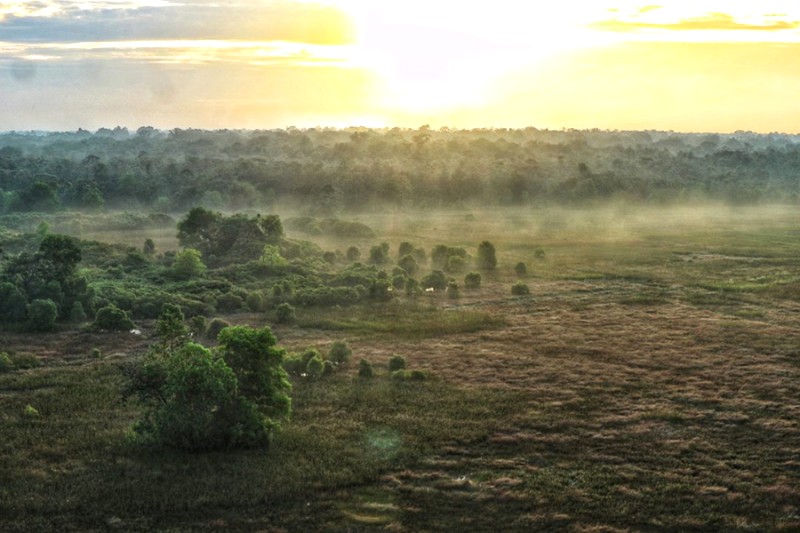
x,y
340,352
63,252
42,315
170,328
112,318
256,360
13,303
187,264
521,269
487,259
409,264
472,280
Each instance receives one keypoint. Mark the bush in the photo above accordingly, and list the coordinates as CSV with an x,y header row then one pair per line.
x,y
112,318
340,352
329,257
77,313
96,353
293,364
435,280
452,290
329,368
521,269
198,325
539,254
472,280
284,314
187,264
13,303
215,327
378,255
353,254
6,364
408,375
520,289
365,369
487,258
397,362
255,301
399,282
25,360
456,264
412,287
408,264
308,355
42,315
315,367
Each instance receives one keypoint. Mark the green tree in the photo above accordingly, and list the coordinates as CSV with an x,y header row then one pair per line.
x,y
487,258
112,318
340,352
13,303
42,315
472,280
187,264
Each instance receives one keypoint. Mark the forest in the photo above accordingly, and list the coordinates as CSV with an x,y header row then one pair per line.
x,y
399,330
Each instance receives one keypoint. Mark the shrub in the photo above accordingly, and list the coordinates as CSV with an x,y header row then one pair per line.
x,y
308,355
456,264
472,280
521,269
255,301
6,364
353,254
379,255
13,303
25,360
30,411
329,368
96,353
408,264
315,367
198,325
365,369
42,315
452,290
435,280
215,327
399,282
539,254
293,364
112,318
418,375
77,313
229,302
520,289
397,362
380,290
404,249
340,352
329,257
412,287
487,258
187,264
284,314
149,248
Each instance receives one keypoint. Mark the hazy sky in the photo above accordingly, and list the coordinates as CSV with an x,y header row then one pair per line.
x,y
701,65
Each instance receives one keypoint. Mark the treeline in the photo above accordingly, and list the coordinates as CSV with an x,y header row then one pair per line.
x,y
330,170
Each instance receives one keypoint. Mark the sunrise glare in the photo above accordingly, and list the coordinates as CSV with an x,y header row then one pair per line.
x,y
619,65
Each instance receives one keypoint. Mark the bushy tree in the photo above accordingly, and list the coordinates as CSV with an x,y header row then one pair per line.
x,y
487,258
365,369
472,280
285,314
340,352
452,290
520,289
42,315
520,269
112,318
435,280
13,303
409,264
315,368
188,264
353,254
397,362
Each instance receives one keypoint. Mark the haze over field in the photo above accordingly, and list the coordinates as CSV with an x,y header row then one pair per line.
x,y
690,66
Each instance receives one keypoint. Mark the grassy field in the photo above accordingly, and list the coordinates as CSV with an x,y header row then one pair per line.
x,y
650,382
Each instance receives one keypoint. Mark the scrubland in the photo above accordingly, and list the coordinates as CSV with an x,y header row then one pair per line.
x,y
649,382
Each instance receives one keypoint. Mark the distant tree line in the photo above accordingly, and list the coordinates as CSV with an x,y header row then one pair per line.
x,y
330,170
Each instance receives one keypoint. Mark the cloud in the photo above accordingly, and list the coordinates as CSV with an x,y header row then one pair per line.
x,y
712,21
282,21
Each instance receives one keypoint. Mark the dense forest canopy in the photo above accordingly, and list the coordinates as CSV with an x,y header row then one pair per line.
x,y
330,170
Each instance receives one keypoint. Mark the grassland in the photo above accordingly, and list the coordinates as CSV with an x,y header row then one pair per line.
x,y
651,382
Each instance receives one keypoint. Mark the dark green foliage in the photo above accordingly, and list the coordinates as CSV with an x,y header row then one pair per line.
x,y
215,327
25,360
13,303
330,227
255,302
412,287
353,254
340,352
285,314
171,329
198,325
379,255
539,254
521,269
456,264
439,256
452,290
405,248
112,318
329,257
328,368
149,248
42,315
520,289
472,280
77,313
293,364
435,280
399,282
487,258
397,362
409,264
326,296
64,254
39,196
365,369
229,302
315,368
408,375
381,290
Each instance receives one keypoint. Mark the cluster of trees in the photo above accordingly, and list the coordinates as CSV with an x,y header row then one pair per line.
x,y
328,170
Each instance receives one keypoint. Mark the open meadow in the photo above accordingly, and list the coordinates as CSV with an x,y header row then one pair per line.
x,y
650,381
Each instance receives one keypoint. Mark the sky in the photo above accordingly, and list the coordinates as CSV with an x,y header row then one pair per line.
x,y
696,66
